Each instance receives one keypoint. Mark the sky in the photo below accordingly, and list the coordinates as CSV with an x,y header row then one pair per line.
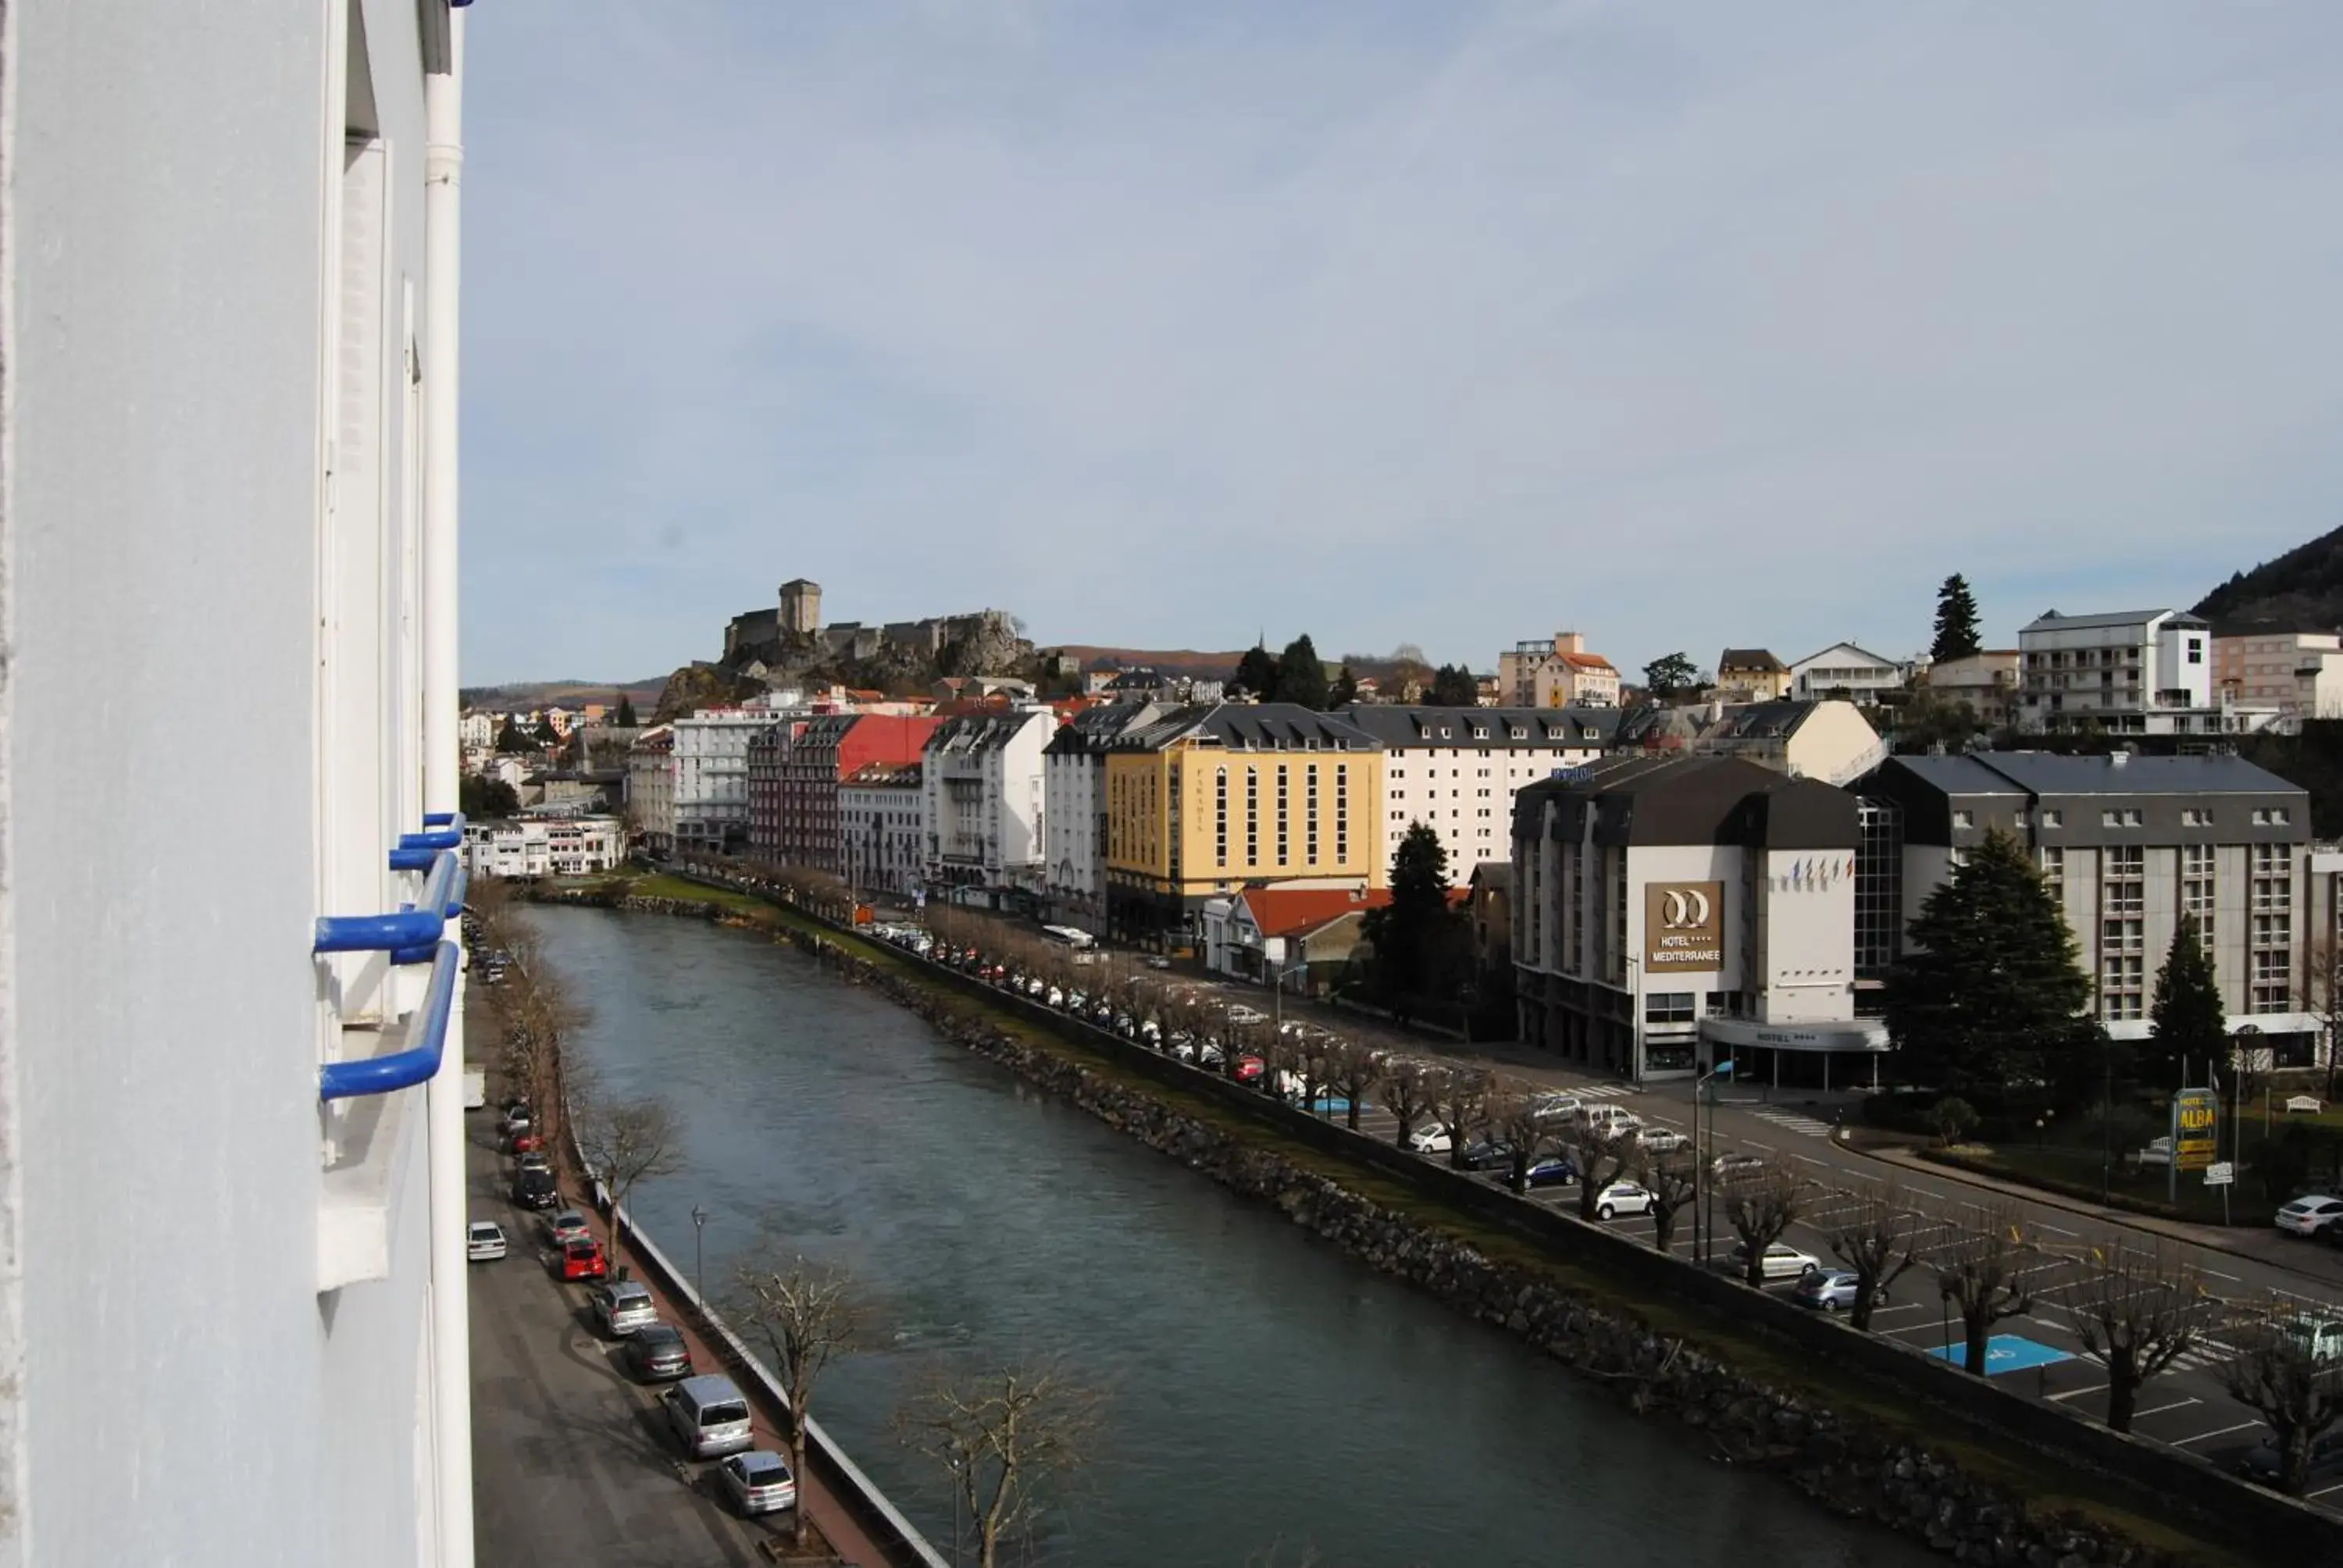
x,y
1453,324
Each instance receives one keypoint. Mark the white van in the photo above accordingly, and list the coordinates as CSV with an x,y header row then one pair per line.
x,y
1612,1120
710,1416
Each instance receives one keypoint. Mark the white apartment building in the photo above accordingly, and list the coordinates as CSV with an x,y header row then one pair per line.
x,y
709,766
983,783
1556,672
2129,672
650,788
1074,805
882,827
1672,912
544,847
2298,673
477,727
1843,669
232,1317
1457,770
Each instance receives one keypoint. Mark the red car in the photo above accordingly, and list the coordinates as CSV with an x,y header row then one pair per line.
x,y
581,1258
524,1142
1250,1068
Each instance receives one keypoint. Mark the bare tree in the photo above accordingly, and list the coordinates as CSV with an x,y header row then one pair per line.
x,y
1005,1441
1674,1181
1601,1158
1875,1236
2276,1376
2322,994
1759,1210
807,1317
1462,1106
1985,1272
2136,1311
1410,1091
1354,1072
626,1142
1514,1117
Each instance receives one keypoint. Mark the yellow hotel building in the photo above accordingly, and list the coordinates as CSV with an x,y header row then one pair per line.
x,y
1209,799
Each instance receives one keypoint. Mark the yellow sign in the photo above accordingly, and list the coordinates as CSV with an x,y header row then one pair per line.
x,y
1683,926
2196,1129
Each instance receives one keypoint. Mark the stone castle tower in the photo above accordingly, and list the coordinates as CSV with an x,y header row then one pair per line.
x,y
801,607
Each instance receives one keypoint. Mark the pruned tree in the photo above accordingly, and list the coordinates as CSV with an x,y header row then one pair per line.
x,y
1674,1181
2322,993
1760,1208
1513,1116
2136,1311
1875,1236
1462,1103
1006,1442
2276,1376
1354,1072
626,1142
1601,1157
1987,1272
808,1316
1410,1092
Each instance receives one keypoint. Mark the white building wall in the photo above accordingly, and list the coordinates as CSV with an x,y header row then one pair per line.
x,y
186,340
1466,795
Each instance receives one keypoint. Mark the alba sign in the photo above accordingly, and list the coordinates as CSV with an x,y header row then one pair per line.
x,y
1683,926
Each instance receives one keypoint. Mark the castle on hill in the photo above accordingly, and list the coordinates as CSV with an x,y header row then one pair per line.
x,y
792,633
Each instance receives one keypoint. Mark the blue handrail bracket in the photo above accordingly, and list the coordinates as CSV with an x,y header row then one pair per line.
x,y
427,1031
415,925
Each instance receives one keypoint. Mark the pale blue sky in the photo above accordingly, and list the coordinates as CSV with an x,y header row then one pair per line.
x,y
1453,323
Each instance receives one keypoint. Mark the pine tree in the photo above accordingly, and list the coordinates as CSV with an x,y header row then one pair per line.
x,y
1670,674
1257,674
626,716
2187,1023
1300,675
1988,991
1956,621
1346,690
1407,933
510,739
1452,686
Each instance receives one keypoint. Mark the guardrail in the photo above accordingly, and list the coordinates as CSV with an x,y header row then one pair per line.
x,y
419,1062
441,830
408,934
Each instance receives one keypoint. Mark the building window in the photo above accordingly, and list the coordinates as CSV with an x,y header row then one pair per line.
x,y
2195,816
1221,816
1252,816
1964,819
2053,871
2198,891
1282,818
1309,816
1668,1007
1341,812
2122,889
2273,878
2121,980
2054,819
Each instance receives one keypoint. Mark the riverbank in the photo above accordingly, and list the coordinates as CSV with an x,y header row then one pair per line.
x,y
1746,1397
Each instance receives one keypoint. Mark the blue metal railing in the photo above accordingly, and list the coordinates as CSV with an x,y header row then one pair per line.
x,y
408,934
441,830
427,1029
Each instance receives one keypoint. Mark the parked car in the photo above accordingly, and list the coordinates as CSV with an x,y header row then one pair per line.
x,y
1661,1140
1431,1139
1180,1047
582,1259
1156,961
1250,1068
484,1241
1735,1167
1557,1107
708,1416
621,1307
2318,1338
1245,1017
521,1142
2262,1462
534,1160
1488,1154
517,1119
1053,998
2311,1214
535,1190
1612,1120
1783,1261
1621,1198
566,1227
1831,1290
658,1352
758,1482
1553,1170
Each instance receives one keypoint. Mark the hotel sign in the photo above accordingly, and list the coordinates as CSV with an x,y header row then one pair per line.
x,y
1683,926
2196,1129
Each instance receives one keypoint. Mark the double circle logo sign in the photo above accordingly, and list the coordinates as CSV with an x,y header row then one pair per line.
x,y
1684,908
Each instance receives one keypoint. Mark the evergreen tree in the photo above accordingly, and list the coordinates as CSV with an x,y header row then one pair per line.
x,y
1257,674
1988,992
2187,1023
1452,686
1301,675
1669,674
510,739
626,714
546,735
1956,621
1346,690
1410,932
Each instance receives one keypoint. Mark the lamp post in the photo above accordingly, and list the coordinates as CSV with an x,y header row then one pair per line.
x,y
1704,1178
699,1256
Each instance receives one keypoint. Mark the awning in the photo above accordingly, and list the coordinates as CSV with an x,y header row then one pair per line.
x,y
1857,1034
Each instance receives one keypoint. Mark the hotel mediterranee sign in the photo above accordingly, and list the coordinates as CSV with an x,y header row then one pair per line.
x,y
1683,926
2196,1129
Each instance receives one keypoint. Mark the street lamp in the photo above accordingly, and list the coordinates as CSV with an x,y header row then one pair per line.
x,y
699,1256
1703,1178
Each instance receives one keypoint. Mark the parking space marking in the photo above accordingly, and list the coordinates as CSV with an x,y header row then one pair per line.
x,y
2324,1492
2080,1392
2222,1431
2164,1408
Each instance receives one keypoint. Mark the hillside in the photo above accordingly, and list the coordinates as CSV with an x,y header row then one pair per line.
x,y
528,694
2301,590
1169,661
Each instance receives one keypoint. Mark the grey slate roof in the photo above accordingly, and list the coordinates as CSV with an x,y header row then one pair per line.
x,y
1750,658
2051,620
1677,800
1400,726
1759,721
1248,727
1096,728
2048,773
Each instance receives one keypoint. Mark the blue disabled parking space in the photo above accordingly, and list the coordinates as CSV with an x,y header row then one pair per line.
x,y
2005,1354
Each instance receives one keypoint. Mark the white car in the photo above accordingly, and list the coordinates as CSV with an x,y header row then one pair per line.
x,y
758,1482
1244,1016
484,1241
1783,1261
1612,1120
1558,1107
1661,1140
1621,1198
2309,1215
1432,1138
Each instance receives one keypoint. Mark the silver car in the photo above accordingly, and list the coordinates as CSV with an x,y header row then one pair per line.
x,y
622,1306
758,1482
709,1416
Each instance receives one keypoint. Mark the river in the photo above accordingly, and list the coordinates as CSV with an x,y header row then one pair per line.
x,y
1262,1388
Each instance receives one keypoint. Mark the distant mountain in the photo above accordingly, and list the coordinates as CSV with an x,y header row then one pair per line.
x,y
529,694
1168,661
2301,590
